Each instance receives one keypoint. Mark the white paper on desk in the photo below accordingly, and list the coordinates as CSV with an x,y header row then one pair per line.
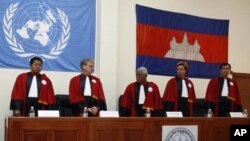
x,y
109,114
236,114
48,113
174,114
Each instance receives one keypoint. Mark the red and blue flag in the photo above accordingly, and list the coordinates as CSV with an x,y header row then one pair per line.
x,y
165,38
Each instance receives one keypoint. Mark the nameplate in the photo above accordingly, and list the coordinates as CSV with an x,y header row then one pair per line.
x,y
109,114
174,114
48,113
236,114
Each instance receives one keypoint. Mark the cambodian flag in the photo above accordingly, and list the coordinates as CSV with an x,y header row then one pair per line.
x,y
165,38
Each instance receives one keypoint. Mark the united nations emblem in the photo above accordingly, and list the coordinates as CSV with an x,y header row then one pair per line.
x,y
180,134
35,29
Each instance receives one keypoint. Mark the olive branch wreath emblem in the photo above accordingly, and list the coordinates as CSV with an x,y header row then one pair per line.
x,y
17,47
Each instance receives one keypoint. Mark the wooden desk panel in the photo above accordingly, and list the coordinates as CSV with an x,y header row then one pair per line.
x,y
122,129
113,129
218,129
45,129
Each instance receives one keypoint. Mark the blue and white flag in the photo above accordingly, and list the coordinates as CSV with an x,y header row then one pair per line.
x,y
62,33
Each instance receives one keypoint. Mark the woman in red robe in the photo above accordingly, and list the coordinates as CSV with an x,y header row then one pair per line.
x,y
179,94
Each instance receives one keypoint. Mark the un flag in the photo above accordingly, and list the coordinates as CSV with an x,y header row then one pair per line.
x,y
60,32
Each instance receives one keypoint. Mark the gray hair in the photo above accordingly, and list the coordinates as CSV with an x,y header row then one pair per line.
x,y
142,70
85,61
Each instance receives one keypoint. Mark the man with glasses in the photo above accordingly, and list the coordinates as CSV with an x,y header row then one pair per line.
x,y
85,90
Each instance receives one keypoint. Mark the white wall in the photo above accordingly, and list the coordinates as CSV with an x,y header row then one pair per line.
x,y
116,46
107,58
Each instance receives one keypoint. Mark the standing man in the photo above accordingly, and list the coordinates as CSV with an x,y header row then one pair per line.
x,y
179,93
85,90
32,89
140,96
222,94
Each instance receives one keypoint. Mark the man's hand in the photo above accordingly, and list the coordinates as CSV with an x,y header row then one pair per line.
x,y
17,113
94,110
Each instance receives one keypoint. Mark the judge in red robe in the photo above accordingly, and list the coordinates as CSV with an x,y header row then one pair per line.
x,y
26,93
134,102
222,95
179,94
85,90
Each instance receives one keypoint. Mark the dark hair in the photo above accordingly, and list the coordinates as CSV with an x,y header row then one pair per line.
x,y
225,64
34,59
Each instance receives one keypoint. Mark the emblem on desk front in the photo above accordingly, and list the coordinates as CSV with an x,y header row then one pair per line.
x,y
180,134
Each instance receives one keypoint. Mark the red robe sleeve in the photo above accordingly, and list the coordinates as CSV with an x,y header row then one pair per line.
x,y
153,98
46,94
128,99
234,92
212,91
75,92
234,95
171,93
19,89
191,97
97,90
212,94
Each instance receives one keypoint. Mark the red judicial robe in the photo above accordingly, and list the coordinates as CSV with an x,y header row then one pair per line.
x,y
213,94
76,89
172,95
20,92
152,101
